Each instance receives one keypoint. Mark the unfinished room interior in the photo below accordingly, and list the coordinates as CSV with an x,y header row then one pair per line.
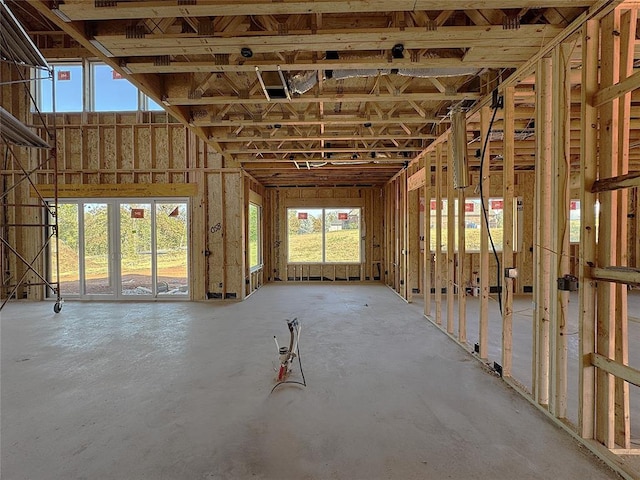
x,y
434,208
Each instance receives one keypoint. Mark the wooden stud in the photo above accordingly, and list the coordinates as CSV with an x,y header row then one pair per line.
x,y
438,244
636,228
544,132
508,228
462,293
606,295
427,234
588,174
560,166
618,182
413,243
405,290
620,370
247,276
485,118
628,22
451,238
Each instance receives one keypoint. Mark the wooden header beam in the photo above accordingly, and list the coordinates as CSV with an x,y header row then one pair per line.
x,y
345,120
169,9
132,190
332,98
527,36
311,65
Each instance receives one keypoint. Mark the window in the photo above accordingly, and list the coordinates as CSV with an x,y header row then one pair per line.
x,y
66,83
68,248
148,105
473,221
474,218
107,90
575,221
255,237
110,91
119,248
324,235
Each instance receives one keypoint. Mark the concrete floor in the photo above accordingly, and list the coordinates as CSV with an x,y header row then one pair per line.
x,y
522,344
181,391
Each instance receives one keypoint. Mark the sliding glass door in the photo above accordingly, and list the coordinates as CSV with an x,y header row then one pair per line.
x,y
171,248
96,254
136,249
123,249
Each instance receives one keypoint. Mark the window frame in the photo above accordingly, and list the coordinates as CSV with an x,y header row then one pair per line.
x,y
40,77
324,209
40,80
517,218
92,91
260,262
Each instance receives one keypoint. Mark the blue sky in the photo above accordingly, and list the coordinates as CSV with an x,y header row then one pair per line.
x,y
109,94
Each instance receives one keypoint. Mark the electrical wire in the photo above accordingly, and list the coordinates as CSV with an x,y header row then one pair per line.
x,y
484,208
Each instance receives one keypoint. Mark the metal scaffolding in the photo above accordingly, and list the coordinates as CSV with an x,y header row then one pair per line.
x,y
24,213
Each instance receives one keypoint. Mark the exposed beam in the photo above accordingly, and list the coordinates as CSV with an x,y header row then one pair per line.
x,y
618,90
168,8
619,370
625,275
616,183
338,40
310,64
340,98
336,120
291,151
149,84
326,138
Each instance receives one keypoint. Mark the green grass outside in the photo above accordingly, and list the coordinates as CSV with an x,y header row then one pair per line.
x,y
253,252
341,246
472,239
98,265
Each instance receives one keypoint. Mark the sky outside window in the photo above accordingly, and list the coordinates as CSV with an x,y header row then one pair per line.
x,y
151,105
112,93
68,89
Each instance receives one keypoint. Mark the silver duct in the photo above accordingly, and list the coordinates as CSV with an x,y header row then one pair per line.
x,y
303,82
437,72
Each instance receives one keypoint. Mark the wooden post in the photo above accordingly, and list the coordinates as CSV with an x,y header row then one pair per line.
x,y
427,233
462,299
560,167
508,228
413,242
627,44
485,118
636,222
405,287
451,237
247,280
542,257
607,244
438,246
588,173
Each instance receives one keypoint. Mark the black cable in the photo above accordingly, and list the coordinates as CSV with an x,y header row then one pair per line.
x,y
484,208
304,381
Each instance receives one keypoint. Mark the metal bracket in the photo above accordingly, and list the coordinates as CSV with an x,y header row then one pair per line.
x,y
511,22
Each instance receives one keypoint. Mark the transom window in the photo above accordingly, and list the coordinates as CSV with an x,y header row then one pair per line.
x,y
103,89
